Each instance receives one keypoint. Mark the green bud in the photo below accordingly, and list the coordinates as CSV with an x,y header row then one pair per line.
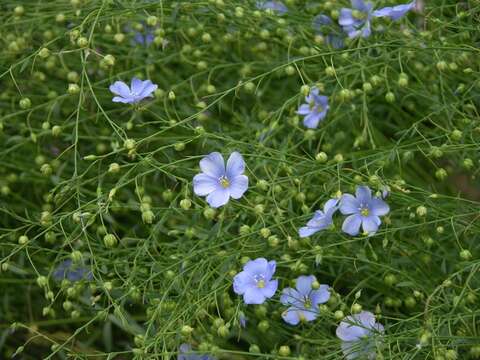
x,y
465,255
390,97
110,240
25,103
263,326
339,315
284,350
321,157
356,308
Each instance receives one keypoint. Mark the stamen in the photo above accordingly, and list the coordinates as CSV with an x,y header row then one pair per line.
x,y
364,211
224,182
261,284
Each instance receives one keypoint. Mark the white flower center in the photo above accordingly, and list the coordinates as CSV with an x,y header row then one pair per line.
x,y
224,182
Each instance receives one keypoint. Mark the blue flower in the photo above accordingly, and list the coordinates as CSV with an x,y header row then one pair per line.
x,y
321,220
255,281
219,183
395,12
276,6
138,91
185,353
364,210
356,21
144,39
303,300
72,272
359,333
242,319
314,110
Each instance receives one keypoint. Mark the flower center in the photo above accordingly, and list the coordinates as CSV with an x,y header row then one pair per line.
x,y
311,105
307,303
360,15
224,182
261,284
364,211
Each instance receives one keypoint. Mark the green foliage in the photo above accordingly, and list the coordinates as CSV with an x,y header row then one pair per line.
x,y
109,185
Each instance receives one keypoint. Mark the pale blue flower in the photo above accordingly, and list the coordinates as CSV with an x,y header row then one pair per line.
x,y
356,21
314,110
360,334
276,6
363,210
303,300
67,269
138,91
218,182
255,281
185,353
321,220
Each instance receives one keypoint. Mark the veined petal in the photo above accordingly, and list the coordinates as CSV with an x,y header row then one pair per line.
x,y
291,316
351,225
370,224
307,231
395,12
137,85
379,207
213,165
204,184
363,194
238,186
218,197
304,284
253,296
148,90
120,88
241,282
257,266
269,290
235,165
321,295
359,5
346,17
349,204
311,120
271,267
290,296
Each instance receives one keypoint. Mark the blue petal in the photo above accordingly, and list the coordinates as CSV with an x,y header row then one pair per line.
x,y
218,197
307,231
241,282
120,88
204,184
363,194
235,165
349,204
351,225
291,316
253,296
321,295
238,186
395,12
304,284
257,266
311,120
213,165
370,224
379,207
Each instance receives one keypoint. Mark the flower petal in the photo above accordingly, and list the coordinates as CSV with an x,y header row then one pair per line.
x,y
253,296
395,12
307,231
123,100
271,267
270,288
311,120
304,284
290,296
349,204
303,109
120,88
148,89
235,165
351,224
350,329
238,186
242,281
370,224
204,184
379,207
137,85
218,197
363,194
321,295
213,165
330,205
291,316
257,266
346,17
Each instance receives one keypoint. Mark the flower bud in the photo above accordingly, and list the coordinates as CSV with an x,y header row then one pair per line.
x,y
441,174
25,103
339,315
185,204
356,308
456,135
42,281
263,325
284,350
223,331
148,217
330,71
186,330
421,211
465,255
22,240
390,97
110,240
209,213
